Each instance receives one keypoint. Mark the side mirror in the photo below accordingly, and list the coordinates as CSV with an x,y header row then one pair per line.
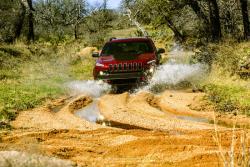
x,y
95,54
160,50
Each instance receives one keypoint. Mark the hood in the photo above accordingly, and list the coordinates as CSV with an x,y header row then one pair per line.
x,y
121,58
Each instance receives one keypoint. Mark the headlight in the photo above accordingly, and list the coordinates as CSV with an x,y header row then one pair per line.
x,y
152,69
99,65
101,73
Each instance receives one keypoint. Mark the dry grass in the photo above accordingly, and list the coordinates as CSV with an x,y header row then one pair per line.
x,y
237,155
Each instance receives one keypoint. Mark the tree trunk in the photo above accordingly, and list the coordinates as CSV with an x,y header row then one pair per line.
x,y
19,22
177,33
215,20
31,35
76,31
245,18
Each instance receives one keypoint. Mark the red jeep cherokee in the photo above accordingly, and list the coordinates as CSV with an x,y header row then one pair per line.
x,y
126,61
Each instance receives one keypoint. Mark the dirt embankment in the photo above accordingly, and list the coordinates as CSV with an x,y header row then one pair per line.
x,y
144,129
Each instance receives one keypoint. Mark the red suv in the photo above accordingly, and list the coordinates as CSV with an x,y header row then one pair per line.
x,y
127,61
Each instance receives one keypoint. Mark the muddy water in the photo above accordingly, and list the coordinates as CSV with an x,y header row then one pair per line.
x,y
190,118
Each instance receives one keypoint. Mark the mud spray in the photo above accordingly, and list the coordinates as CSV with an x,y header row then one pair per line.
x,y
94,89
91,113
90,88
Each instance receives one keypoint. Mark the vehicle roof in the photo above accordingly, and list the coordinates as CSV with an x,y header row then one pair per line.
x,y
133,39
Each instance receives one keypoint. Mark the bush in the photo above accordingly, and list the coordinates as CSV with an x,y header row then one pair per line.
x,y
204,55
230,56
229,98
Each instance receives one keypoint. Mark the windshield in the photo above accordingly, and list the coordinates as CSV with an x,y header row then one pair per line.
x,y
127,48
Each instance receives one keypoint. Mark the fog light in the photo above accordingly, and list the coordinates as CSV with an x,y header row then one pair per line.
x,y
151,70
101,73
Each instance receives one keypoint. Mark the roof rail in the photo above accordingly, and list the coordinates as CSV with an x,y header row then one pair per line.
x,y
111,39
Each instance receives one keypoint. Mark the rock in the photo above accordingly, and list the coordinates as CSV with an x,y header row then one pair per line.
x,y
87,51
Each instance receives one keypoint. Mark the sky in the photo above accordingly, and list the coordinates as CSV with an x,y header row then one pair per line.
x,y
113,4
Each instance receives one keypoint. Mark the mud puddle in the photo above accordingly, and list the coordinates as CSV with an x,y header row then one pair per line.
x,y
190,118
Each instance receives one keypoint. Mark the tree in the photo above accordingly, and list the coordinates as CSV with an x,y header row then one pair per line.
x,y
60,17
26,5
245,18
215,20
81,13
18,25
7,20
159,13
98,24
31,35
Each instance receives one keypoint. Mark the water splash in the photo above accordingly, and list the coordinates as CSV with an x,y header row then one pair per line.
x,y
177,70
175,73
90,88
91,112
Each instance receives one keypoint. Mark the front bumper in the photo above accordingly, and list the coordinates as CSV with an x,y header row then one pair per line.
x,y
117,76
122,78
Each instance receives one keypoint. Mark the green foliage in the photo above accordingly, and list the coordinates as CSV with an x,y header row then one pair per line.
x,y
122,33
225,89
21,96
204,55
58,19
199,20
8,13
232,55
98,25
229,98
81,69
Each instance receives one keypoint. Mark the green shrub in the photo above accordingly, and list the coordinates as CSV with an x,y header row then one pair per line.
x,y
230,56
229,98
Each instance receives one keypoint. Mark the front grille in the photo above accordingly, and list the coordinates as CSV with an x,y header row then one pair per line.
x,y
125,67
120,67
130,66
110,67
140,66
135,66
115,67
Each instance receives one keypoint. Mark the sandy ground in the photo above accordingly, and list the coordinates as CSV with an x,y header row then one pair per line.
x,y
144,130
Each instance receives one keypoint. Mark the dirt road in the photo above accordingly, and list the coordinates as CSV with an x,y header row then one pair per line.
x,y
140,129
